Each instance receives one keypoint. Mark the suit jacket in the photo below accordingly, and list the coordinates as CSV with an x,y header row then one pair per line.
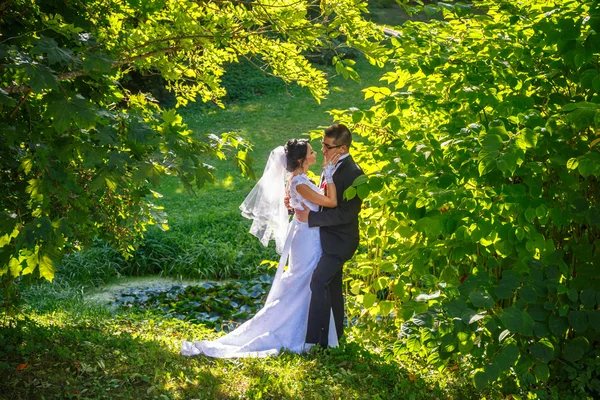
x,y
339,226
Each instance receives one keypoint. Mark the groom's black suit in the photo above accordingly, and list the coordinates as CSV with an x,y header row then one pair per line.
x,y
339,239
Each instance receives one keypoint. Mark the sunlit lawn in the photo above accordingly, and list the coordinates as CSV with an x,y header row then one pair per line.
x,y
82,353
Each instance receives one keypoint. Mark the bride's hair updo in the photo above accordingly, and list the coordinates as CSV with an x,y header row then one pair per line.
x,y
295,152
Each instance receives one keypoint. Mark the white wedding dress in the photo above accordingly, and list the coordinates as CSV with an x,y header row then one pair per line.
x,y
282,322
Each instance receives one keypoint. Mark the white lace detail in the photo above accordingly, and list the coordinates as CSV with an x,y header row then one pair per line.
x,y
296,199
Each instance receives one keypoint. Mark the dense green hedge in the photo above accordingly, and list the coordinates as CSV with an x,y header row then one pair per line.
x,y
482,229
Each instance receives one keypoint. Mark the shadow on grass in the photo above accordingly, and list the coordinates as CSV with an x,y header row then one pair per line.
x,y
72,360
348,372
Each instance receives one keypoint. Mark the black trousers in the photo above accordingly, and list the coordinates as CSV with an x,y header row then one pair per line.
x,y
326,288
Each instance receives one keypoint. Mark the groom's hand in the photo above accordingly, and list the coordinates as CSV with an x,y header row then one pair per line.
x,y
302,215
286,202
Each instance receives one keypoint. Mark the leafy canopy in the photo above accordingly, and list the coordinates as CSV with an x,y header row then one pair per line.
x,y
79,151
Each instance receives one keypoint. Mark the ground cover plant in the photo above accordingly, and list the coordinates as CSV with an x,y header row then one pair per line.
x,y
221,305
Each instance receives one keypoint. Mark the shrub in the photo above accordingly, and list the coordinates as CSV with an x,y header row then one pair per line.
x,y
482,221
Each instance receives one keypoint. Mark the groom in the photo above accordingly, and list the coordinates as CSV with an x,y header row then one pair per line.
x,y
339,239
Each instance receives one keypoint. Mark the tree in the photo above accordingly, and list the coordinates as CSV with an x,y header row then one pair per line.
x,y
79,152
482,224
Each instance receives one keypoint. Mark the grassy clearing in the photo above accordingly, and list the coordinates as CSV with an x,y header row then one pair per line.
x,y
73,350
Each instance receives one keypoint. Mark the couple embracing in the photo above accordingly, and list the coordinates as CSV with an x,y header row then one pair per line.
x,y
305,305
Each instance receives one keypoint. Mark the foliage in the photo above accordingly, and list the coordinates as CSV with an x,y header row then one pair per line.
x,y
224,305
481,229
79,151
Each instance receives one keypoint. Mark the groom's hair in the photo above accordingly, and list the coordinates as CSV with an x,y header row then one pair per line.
x,y
340,133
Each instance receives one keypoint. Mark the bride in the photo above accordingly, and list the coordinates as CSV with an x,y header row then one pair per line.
x,y
282,322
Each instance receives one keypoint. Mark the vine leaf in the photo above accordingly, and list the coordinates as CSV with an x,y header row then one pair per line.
x,y
56,55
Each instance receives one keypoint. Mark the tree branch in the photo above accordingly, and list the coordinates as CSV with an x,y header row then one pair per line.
x,y
27,91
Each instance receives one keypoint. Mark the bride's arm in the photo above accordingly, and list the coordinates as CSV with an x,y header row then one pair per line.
x,y
309,194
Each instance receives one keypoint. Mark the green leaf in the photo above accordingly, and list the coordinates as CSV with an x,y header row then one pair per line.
x,y
528,294
385,307
56,55
572,163
492,372
530,137
540,329
596,83
575,349
507,357
380,283
15,267
375,183
357,116
573,295
530,214
487,162
541,372
399,290
466,347
480,380
519,233
97,61
588,298
594,319
40,77
393,121
581,105
512,318
360,180
541,211
578,320
5,99
63,111
504,292
586,166
46,267
558,325
492,142
350,193
363,191
543,351
368,300
469,316
413,344
481,299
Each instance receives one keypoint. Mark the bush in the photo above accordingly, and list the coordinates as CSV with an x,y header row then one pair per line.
x,y
482,218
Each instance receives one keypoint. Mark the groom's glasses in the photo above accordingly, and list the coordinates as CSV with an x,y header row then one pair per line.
x,y
329,147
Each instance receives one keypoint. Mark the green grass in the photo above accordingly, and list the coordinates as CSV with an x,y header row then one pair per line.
x,y
74,350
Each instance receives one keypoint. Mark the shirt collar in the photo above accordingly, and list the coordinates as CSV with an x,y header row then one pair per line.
x,y
342,157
